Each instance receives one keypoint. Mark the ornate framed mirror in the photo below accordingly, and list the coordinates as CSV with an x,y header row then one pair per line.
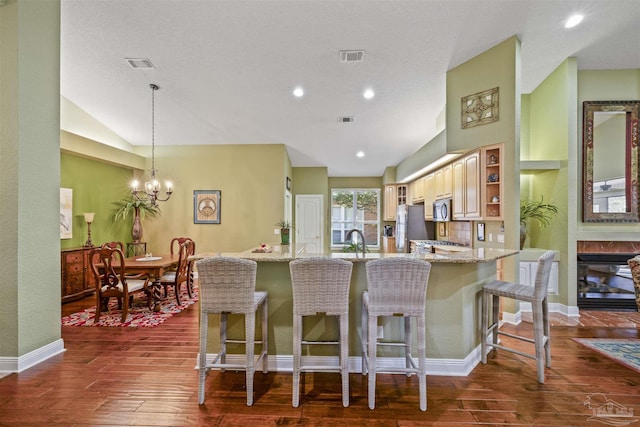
x,y
610,161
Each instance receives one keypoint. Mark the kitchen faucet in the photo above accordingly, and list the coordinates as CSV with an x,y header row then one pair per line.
x,y
364,246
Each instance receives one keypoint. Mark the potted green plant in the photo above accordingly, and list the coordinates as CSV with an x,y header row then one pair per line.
x,y
537,210
285,228
139,209
354,247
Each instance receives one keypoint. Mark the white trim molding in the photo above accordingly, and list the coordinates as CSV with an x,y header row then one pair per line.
x,y
554,307
284,363
26,361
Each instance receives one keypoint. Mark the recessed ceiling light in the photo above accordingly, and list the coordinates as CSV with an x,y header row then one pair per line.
x,y
573,21
360,154
298,92
368,94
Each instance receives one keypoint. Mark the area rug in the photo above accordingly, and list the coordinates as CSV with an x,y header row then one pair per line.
x,y
624,351
139,315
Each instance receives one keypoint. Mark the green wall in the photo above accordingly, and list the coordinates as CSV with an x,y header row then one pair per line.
x,y
603,85
29,180
550,123
96,186
496,67
251,179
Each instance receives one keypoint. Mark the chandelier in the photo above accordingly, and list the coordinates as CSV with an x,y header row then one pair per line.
x,y
152,187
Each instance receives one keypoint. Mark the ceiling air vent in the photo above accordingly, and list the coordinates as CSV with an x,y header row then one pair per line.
x,y
346,119
140,63
351,55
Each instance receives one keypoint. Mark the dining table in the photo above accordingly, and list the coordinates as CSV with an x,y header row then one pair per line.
x,y
155,266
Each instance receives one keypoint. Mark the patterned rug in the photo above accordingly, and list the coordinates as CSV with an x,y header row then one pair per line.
x,y
624,351
139,315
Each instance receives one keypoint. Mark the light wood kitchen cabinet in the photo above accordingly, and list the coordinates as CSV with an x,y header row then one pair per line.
x,y
492,174
457,208
388,244
429,186
444,182
402,194
390,202
78,280
394,195
417,191
466,191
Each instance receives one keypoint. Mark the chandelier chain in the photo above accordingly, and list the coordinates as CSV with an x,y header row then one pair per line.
x,y
152,188
153,130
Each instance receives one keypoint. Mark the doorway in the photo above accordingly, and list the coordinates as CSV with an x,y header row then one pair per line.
x,y
309,224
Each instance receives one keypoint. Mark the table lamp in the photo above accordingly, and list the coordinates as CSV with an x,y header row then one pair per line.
x,y
88,216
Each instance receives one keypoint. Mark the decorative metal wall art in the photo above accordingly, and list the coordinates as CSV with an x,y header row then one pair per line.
x,y
480,108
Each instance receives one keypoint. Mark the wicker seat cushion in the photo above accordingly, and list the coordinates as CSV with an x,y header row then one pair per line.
x,y
510,290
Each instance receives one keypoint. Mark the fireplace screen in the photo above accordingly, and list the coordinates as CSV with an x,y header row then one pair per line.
x,y
604,282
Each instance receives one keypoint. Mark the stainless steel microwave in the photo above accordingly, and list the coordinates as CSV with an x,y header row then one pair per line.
x,y
442,210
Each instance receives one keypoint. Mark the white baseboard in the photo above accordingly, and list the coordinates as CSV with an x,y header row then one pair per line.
x,y
447,367
26,361
554,307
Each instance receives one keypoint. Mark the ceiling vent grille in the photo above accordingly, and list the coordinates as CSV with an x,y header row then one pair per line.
x,y
346,119
351,55
140,63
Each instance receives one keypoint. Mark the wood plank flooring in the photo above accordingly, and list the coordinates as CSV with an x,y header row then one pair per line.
x,y
146,377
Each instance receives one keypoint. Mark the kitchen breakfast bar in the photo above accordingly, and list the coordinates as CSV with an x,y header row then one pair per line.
x,y
453,309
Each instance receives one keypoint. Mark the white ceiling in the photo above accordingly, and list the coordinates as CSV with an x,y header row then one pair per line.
x,y
226,69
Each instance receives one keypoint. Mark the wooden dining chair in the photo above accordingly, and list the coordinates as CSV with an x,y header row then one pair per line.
x,y
109,268
176,242
182,274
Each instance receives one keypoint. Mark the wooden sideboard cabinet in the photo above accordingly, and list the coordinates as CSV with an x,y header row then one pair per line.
x,y
77,278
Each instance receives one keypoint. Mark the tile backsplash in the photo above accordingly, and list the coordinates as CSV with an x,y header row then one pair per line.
x,y
460,232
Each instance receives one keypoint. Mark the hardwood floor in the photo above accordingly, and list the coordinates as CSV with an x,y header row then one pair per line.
x,y
146,376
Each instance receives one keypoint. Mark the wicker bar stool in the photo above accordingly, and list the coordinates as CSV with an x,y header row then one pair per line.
x,y
537,296
320,286
227,286
396,286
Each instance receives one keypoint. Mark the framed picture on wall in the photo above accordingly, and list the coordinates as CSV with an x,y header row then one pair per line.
x,y
206,206
66,213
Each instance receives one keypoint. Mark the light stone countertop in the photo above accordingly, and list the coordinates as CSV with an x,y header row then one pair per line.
x,y
286,253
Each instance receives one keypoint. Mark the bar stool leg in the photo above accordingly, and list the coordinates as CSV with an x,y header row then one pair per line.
x,y
250,331
484,328
202,361
297,339
265,335
422,362
364,336
223,338
344,358
373,323
538,337
547,332
495,318
407,343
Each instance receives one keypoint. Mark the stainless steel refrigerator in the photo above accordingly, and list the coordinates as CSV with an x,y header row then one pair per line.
x,y
410,225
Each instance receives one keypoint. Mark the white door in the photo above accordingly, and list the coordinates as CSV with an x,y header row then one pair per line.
x,y
309,223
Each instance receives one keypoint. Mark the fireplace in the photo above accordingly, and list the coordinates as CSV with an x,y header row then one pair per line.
x,y
604,281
